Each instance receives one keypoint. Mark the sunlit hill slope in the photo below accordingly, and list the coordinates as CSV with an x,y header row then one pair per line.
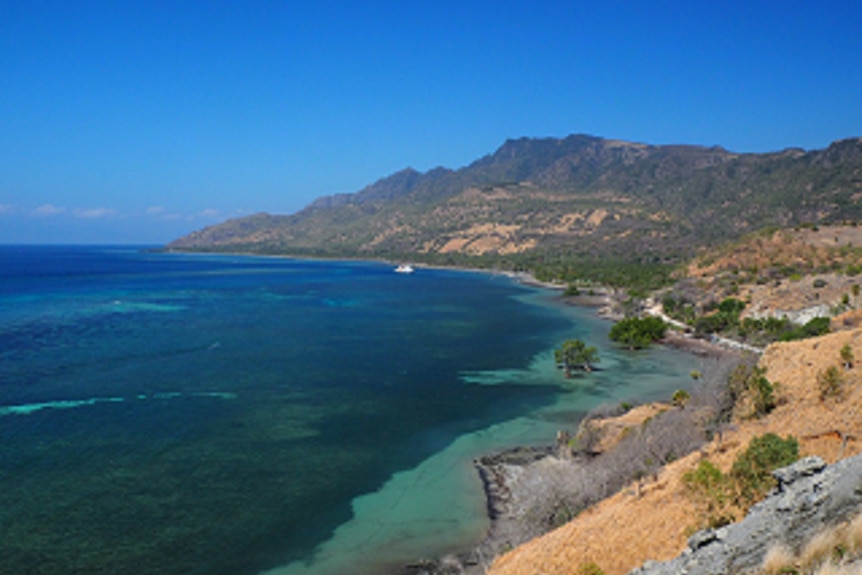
x,y
581,194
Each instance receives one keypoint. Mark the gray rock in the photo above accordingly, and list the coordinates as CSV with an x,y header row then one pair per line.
x,y
810,497
802,468
702,539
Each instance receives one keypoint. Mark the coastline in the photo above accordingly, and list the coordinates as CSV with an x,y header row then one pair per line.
x,y
511,478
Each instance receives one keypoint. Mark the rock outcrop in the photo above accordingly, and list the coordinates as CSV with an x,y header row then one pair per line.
x,y
809,497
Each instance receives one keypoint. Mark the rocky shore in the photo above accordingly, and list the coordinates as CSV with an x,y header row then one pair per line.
x,y
510,479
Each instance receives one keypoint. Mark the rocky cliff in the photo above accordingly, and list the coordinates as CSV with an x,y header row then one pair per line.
x,y
809,498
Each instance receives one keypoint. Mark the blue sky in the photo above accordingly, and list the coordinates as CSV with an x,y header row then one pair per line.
x,y
137,122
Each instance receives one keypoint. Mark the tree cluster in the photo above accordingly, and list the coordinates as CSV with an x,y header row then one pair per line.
x,y
637,332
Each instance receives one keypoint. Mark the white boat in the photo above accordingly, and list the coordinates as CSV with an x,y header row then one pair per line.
x,y
404,269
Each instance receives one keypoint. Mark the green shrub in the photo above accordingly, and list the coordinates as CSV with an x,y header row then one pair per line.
x,y
680,397
731,305
752,470
713,490
722,495
748,385
590,568
847,356
830,383
815,327
762,394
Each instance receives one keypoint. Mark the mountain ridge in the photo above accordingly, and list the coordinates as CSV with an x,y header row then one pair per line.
x,y
540,197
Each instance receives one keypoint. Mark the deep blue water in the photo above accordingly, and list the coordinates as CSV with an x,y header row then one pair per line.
x,y
220,415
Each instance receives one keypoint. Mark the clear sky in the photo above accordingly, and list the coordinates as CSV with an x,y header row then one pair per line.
x,y
139,121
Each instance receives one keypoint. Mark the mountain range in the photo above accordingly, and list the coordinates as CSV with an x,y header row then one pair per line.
x,y
583,196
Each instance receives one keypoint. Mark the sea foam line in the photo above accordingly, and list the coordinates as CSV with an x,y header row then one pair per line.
x,y
28,408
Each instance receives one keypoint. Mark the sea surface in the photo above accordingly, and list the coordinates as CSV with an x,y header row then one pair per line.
x,y
190,414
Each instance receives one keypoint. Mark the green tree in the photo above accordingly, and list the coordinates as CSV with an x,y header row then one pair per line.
x,y
847,356
637,333
575,354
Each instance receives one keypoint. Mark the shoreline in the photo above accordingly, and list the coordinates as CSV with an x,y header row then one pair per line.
x,y
511,475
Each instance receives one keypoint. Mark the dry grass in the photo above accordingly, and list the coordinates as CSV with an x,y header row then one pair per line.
x,y
804,249
775,272
854,535
777,559
820,549
834,551
832,569
623,531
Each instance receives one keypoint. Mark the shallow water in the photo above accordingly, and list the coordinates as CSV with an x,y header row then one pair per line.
x,y
214,414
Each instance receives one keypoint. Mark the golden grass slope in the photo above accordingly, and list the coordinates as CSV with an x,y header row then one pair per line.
x,y
625,530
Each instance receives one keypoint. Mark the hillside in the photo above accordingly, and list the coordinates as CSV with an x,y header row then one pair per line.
x,y
798,273
582,196
666,514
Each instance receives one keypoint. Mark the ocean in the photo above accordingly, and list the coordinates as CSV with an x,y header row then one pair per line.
x,y
203,414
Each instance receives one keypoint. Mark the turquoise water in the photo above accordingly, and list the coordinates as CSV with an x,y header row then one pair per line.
x,y
217,414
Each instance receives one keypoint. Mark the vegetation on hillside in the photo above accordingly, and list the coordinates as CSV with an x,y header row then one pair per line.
x,y
753,395
724,498
554,205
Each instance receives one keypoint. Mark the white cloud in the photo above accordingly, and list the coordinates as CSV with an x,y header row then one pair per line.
x,y
7,209
162,214
206,214
94,213
47,210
